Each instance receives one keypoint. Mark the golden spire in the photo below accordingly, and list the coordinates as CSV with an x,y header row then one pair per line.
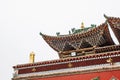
x,y
32,57
82,25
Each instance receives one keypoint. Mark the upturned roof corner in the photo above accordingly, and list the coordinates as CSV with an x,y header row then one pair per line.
x,y
105,16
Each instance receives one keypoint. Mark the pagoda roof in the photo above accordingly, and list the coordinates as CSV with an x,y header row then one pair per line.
x,y
98,36
114,23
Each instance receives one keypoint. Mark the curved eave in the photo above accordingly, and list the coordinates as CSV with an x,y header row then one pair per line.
x,y
115,25
58,42
108,37
48,39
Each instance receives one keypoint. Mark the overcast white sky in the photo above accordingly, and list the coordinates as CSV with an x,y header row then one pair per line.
x,y
21,21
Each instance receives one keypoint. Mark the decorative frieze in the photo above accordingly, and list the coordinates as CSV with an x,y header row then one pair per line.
x,y
70,71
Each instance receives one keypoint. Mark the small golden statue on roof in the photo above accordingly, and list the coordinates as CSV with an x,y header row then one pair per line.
x,y
82,25
32,57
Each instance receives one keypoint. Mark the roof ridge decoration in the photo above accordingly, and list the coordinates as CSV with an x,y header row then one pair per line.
x,y
98,36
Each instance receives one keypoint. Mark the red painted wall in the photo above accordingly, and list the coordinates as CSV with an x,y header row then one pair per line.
x,y
107,75
65,65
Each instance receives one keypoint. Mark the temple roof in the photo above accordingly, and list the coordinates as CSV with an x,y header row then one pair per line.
x,y
93,62
98,36
93,46
100,52
114,23
74,31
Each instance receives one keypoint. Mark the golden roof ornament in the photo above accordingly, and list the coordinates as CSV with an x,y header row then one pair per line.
x,y
82,25
32,57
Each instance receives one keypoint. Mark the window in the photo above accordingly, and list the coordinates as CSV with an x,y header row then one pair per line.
x,y
73,54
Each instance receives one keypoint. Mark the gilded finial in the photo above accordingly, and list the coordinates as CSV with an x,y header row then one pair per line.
x,y
82,25
32,57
